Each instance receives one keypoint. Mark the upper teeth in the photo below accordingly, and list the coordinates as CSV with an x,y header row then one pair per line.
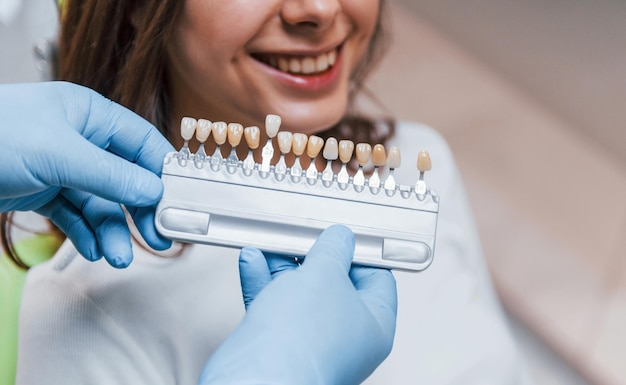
x,y
303,65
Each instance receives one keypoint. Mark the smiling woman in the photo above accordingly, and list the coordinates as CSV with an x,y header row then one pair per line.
x,y
237,61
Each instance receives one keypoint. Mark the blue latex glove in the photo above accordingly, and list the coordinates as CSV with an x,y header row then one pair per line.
x,y
71,155
324,322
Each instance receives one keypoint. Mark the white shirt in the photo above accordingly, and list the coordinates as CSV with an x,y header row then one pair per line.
x,y
159,320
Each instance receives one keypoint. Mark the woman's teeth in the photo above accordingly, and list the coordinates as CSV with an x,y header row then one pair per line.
x,y
306,65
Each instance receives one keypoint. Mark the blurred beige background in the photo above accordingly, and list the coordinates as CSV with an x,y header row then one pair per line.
x,y
530,95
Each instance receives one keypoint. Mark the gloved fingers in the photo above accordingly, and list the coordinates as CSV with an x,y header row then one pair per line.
x,y
333,248
115,128
377,289
143,217
71,222
92,169
280,263
108,222
254,274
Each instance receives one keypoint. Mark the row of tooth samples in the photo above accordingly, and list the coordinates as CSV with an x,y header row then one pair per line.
x,y
298,144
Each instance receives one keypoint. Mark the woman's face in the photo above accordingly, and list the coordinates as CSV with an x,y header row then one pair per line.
x,y
238,60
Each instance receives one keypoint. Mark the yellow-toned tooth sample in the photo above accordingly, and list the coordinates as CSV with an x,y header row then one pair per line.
x,y
235,132
363,152
284,145
423,165
314,146
379,157
423,161
299,143
252,134
253,137
220,132
346,148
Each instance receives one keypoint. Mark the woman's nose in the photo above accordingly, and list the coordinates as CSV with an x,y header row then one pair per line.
x,y
315,14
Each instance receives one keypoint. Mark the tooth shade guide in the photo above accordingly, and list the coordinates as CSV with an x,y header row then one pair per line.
x,y
320,155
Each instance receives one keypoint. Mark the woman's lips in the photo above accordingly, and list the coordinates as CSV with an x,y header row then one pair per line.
x,y
306,72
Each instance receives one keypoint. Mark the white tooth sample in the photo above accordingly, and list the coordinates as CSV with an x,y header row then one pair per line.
x,y
295,66
423,164
188,127
331,149
332,56
321,63
379,158
308,65
346,148
235,132
393,158
204,130
313,148
272,125
284,141
393,161
220,131
298,145
202,134
283,64
363,151
252,134
284,145
331,152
